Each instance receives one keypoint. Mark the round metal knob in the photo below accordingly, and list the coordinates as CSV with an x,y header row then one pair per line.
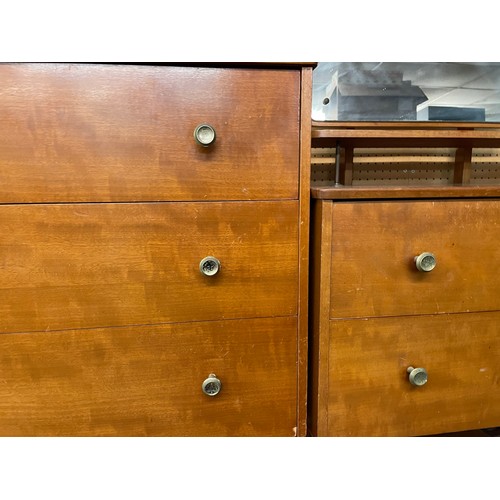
x,y
204,135
417,376
425,262
209,266
211,386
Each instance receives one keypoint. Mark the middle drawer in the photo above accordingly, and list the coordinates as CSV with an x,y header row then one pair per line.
x,y
72,266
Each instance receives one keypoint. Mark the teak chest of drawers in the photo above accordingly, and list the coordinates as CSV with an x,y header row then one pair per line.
x,y
154,249
405,330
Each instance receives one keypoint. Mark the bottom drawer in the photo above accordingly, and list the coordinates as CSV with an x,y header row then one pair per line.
x,y
369,392
147,380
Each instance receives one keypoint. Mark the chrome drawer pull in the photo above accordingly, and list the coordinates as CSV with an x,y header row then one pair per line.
x,y
417,376
211,386
209,266
425,262
204,135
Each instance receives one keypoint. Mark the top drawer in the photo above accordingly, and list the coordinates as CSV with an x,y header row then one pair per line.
x,y
374,245
80,132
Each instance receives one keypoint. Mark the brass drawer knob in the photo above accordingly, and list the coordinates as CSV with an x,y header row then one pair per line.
x,y
417,376
211,385
204,134
425,262
209,266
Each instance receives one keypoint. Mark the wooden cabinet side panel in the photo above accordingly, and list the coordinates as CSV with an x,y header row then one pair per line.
x,y
319,317
304,234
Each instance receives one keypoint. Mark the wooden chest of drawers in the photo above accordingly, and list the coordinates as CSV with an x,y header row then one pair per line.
x,y
405,300
377,317
111,201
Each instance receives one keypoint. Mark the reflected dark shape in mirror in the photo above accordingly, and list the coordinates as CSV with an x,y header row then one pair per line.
x,y
380,91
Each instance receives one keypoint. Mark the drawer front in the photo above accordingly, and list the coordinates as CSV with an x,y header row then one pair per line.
x,y
79,132
373,271
147,381
94,265
369,392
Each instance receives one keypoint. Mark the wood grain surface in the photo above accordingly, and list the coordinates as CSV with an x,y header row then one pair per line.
x,y
368,387
374,245
68,266
146,380
319,316
107,206
84,132
304,243
404,192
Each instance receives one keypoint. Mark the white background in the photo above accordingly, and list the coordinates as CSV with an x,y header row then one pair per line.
x,y
241,468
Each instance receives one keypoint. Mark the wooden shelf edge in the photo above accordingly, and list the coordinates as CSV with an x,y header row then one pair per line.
x,y
392,136
400,192
415,125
